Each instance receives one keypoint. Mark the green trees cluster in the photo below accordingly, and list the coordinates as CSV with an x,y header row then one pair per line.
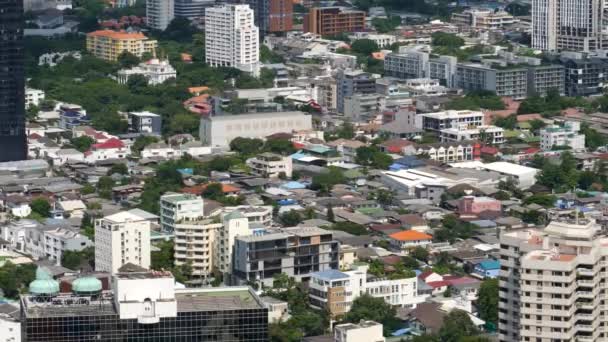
x,y
77,260
371,156
487,301
324,182
385,25
40,207
162,259
248,147
366,307
476,100
349,227
15,278
561,177
452,228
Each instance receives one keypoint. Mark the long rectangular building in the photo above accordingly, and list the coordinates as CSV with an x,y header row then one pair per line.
x,y
219,131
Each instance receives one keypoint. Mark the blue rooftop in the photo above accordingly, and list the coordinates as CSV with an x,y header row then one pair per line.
x,y
293,185
489,264
319,149
298,155
330,275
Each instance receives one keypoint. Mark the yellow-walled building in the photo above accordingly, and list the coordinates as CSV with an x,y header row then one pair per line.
x,y
108,44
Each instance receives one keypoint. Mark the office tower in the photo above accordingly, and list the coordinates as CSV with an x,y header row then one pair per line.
x,y
191,9
272,16
333,20
567,25
552,283
108,44
140,306
122,238
12,82
159,13
177,207
231,38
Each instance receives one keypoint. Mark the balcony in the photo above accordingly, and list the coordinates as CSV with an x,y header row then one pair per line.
x,y
585,272
585,294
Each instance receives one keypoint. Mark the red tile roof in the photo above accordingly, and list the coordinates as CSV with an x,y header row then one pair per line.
x,y
109,144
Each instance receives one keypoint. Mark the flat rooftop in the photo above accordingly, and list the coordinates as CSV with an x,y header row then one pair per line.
x,y
240,298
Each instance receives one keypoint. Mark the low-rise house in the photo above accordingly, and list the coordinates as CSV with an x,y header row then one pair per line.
x,y
271,165
487,269
410,238
277,309
17,205
111,149
59,240
471,206
72,208
64,156
364,331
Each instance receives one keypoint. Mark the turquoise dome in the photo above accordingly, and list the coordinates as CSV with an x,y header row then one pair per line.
x,y
44,283
86,285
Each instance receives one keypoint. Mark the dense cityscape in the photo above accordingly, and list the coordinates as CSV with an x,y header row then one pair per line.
x,y
303,170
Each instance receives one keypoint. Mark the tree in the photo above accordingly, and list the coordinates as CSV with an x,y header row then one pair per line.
x,y
162,258
14,278
127,60
509,122
546,201
290,218
141,142
593,139
330,213
246,146
534,216
76,260
502,196
384,197
369,308
179,30
372,156
41,207
104,187
82,143
420,253
280,146
446,39
364,46
487,302
349,227
137,83
389,24
456,325
119,168
324,182
213,191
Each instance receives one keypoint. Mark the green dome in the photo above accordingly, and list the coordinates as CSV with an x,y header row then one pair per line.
x,y
86,285
44,283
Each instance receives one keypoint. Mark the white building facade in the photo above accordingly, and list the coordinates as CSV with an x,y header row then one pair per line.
x,y
155,71
231,38
120,239
159,13
565,136
177,207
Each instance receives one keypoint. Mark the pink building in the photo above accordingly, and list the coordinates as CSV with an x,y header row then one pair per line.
x,y
473,206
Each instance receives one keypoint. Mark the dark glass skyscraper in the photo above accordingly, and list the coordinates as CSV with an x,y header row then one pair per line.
x,y
13,144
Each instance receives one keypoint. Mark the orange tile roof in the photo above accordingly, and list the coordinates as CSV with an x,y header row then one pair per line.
x,y
198,189
117,34
193,90
410,235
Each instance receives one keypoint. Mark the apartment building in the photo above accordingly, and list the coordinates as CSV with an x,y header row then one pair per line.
x,y
561,136
584,76
297,251
364,331
176,207
353,82
271,165
272,16
363,107
543,78
159,13
483,19
382,40
568,25
488,134
57,241
335,291
144,122
194,240
333,20
33,97
231,38
435,122
551,283
256,215
450,152
406,64
120,239
443,68
504,81
108,44
234,225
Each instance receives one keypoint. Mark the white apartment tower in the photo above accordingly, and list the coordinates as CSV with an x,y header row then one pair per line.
x,y
553,283
120,239
567,25
176,207
233,224
159,13
231,38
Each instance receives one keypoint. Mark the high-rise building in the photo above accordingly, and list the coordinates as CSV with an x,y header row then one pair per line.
x,y
333,20
234,224
567,25
272,16
176,207
191,9
140,306
353,82
159,13
552,283
122,238
231,38
12,82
